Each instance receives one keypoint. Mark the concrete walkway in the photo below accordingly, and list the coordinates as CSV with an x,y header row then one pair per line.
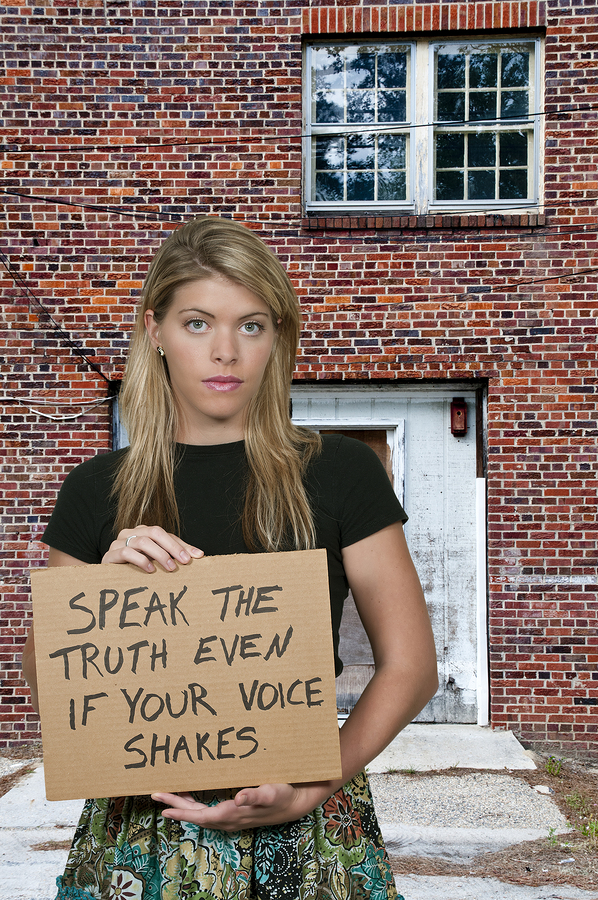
x,y
436,747
28,822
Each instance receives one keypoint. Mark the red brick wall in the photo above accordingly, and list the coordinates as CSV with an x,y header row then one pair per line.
x,y
168,110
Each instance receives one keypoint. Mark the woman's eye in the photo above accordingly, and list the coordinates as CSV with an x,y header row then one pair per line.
x,y
251,327
196,325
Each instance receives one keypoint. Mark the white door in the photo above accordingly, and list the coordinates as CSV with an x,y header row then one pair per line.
x,y
434,476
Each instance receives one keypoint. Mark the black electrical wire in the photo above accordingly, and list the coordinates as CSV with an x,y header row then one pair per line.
x,y
21,283
252,139
325,214
576,273
127,149
486,289
153,216
538,230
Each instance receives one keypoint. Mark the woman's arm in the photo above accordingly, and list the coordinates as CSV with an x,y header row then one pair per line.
x,y
391,604
390,601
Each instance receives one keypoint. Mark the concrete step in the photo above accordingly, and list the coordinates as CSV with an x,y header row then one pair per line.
x,y
436,747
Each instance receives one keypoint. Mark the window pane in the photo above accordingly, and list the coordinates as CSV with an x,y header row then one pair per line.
x,y
513,184
483,70
392,106
514,103
361,70
481,150
392,70
360,152
481,185
513,149
392,186
450,70
330,106
330,153
515,69
392,151
482,105
329,186
451,107
450,151
449,185
360,186
328,68
360,106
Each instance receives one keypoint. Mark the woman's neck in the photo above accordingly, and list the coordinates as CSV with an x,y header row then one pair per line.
x,y
208,437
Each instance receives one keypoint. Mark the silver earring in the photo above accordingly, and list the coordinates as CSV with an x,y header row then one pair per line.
x,y
160,351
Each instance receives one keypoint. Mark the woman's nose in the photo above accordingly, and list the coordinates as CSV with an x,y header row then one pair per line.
x,y
224,348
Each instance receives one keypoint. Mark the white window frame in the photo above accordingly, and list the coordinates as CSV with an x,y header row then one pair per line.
x,y
421,130
311,130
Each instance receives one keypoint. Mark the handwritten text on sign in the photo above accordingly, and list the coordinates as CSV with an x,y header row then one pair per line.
x,y
218,675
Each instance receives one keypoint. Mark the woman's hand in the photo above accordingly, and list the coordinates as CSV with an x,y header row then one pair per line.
x,y
145,545
269,804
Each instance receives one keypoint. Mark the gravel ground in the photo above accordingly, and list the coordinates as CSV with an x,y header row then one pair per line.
x,y
418,887
9,765
463,801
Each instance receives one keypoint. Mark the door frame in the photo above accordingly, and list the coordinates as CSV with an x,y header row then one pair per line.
x,y
395,426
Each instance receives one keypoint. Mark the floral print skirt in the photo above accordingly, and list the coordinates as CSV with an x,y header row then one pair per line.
x,y
124,849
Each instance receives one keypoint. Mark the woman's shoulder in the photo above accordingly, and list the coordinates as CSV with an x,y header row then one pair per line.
x,y
83,515
344,464
105,463
99,471
339,449
349,483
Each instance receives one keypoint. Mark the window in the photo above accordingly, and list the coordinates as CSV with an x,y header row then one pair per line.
x,y
360,110
423,126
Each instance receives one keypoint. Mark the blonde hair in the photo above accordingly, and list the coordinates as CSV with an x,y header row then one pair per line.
x,y
277,513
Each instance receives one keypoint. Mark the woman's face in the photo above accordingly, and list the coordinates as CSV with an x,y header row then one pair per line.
x,y
217,338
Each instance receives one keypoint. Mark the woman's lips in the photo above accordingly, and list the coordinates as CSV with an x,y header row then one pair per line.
x,y
222,383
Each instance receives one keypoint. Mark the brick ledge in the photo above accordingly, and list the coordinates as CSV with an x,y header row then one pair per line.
x,y
423,17
380,223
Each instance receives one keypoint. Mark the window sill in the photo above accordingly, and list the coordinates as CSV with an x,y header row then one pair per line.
x,y
406,222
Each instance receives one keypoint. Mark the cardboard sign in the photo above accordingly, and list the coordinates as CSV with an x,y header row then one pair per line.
x,y
220,674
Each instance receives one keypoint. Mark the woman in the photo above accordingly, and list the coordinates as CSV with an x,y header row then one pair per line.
x,y
216,466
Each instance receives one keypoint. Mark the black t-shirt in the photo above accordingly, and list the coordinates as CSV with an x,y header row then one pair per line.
x,y
350,493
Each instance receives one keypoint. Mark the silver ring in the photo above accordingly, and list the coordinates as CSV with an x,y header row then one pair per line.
x,y
129,539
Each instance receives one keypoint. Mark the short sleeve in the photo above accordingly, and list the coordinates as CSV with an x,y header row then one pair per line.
x,y
82,520
364,499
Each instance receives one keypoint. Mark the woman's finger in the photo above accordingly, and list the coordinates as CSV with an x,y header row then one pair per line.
x,y
178,801
174,546
145,545
265,795
156,552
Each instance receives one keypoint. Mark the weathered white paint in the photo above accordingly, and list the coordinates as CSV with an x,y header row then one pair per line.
x,y
482,604
423,135
442,541
434,478
440,497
